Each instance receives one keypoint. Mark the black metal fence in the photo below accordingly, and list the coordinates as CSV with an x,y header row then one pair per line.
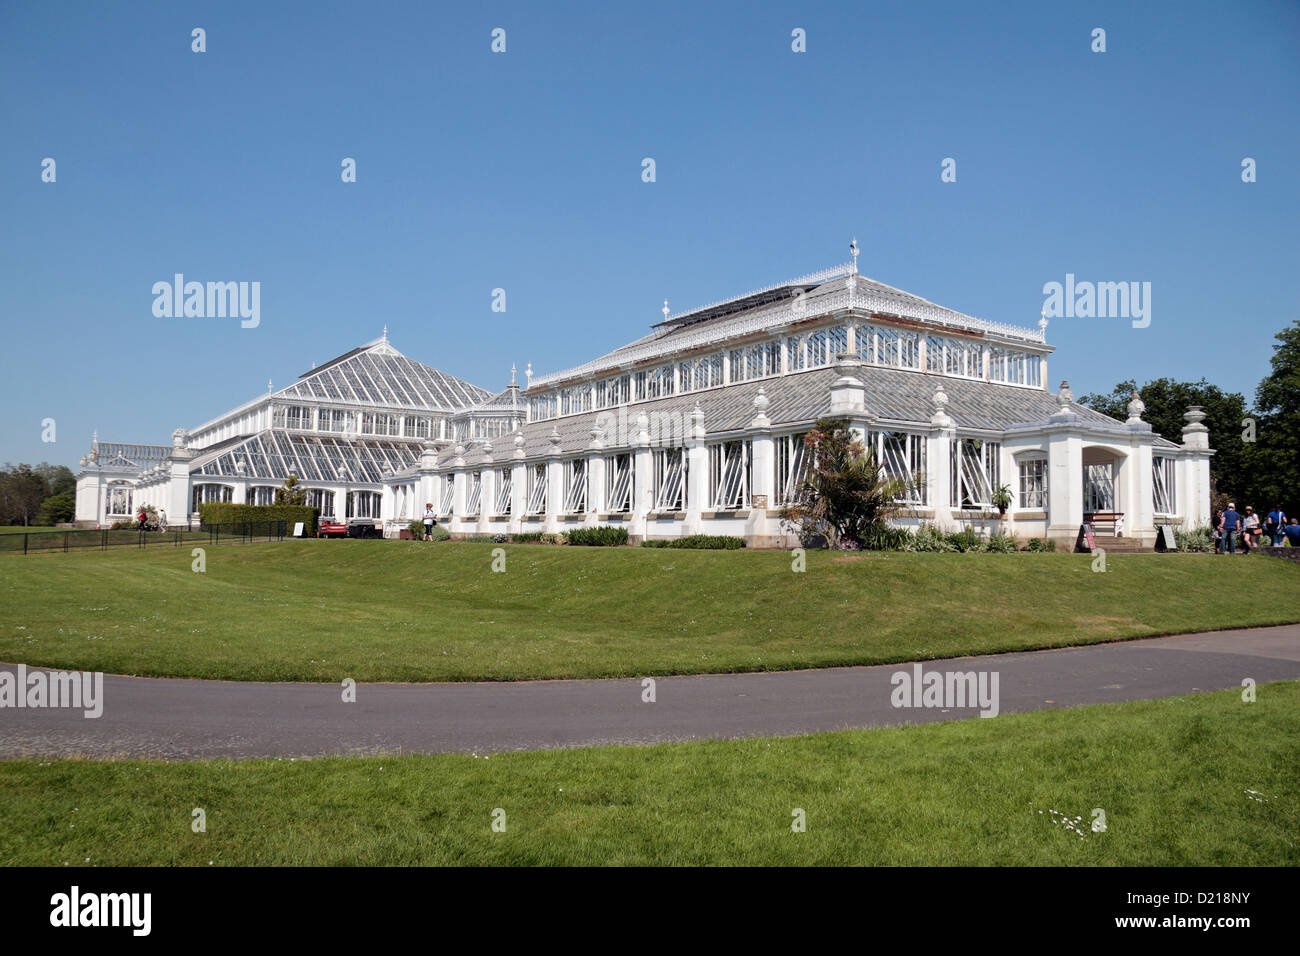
x,y
101,539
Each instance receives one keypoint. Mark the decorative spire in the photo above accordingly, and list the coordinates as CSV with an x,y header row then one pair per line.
x,y
664,310
528,373
1064,397
1042,321
853,251
939,416
385,335
512,374
761,401
268,386
1135,409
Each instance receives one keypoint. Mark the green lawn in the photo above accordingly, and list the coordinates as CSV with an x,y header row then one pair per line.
x,y
1199,780
410,611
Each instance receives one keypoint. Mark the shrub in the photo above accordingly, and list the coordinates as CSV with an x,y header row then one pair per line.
x,y
883,537
500,538
439,533
527,537
215,512
1035,544
701,542
964,540
1195,540
598,537
929,538
1001,544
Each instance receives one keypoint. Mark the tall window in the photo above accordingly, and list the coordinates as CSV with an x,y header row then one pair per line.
x,y
416,427
1034,371
618,481
613,391
791,466
575,486
670,479
119,499
475,493
502,506
825,344
702,372
729,474
974,473
902,456
377,423
1033,484
332,420
884,345
261,495
324,500
541,407
1163,488
1099,487
363,504
207,494
536,489
795,359
448,499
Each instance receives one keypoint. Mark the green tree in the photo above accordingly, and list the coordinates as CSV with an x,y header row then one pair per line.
x,y
1274,458
289,493
1166,400
22,489
57,508
845,494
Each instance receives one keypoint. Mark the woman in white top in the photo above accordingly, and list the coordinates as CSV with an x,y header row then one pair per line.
x,y
429,519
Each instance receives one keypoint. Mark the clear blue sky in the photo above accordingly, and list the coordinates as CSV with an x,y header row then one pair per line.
x,y
522,170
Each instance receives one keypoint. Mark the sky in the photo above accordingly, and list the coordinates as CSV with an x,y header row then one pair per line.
x,y
523,170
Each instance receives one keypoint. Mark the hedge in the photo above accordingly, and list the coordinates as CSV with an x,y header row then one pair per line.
x,y
702,542
216,512
603,536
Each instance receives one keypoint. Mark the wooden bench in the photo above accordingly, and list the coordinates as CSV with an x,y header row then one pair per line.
x,y
1113,518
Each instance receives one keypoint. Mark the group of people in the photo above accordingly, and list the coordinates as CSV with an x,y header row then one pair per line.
x,y
1230,526
143,518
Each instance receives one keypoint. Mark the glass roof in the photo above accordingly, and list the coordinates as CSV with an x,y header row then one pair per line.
x,y
274,454
381,376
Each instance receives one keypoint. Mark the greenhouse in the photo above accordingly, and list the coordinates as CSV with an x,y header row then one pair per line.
x,y
694,428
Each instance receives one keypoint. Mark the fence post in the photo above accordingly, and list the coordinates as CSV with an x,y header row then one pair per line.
x,y
24,542
65,542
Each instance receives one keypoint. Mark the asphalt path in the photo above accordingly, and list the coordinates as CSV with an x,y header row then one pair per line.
x,y
198,719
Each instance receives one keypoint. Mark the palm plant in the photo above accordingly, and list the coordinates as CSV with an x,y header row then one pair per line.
x,y
845,493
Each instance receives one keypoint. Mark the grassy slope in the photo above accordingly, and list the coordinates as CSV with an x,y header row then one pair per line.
x,y
406,611
1171,776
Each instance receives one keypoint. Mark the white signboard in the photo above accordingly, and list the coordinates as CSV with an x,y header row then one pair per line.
x,y
297,530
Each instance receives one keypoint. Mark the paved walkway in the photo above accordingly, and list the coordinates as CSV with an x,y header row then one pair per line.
x,y
192,719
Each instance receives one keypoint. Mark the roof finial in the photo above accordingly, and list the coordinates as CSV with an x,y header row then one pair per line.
x,y
385,335
528,372
94,436
853,251
664,310
268,386
1042,320
512,374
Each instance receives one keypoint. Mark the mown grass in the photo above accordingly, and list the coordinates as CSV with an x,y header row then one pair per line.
x,y
412,611
1199,780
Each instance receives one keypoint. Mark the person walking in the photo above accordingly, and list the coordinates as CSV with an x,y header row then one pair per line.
x,y
162,520
1274,526
1292,532
429,519
1229,524
1250,530
1216,531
